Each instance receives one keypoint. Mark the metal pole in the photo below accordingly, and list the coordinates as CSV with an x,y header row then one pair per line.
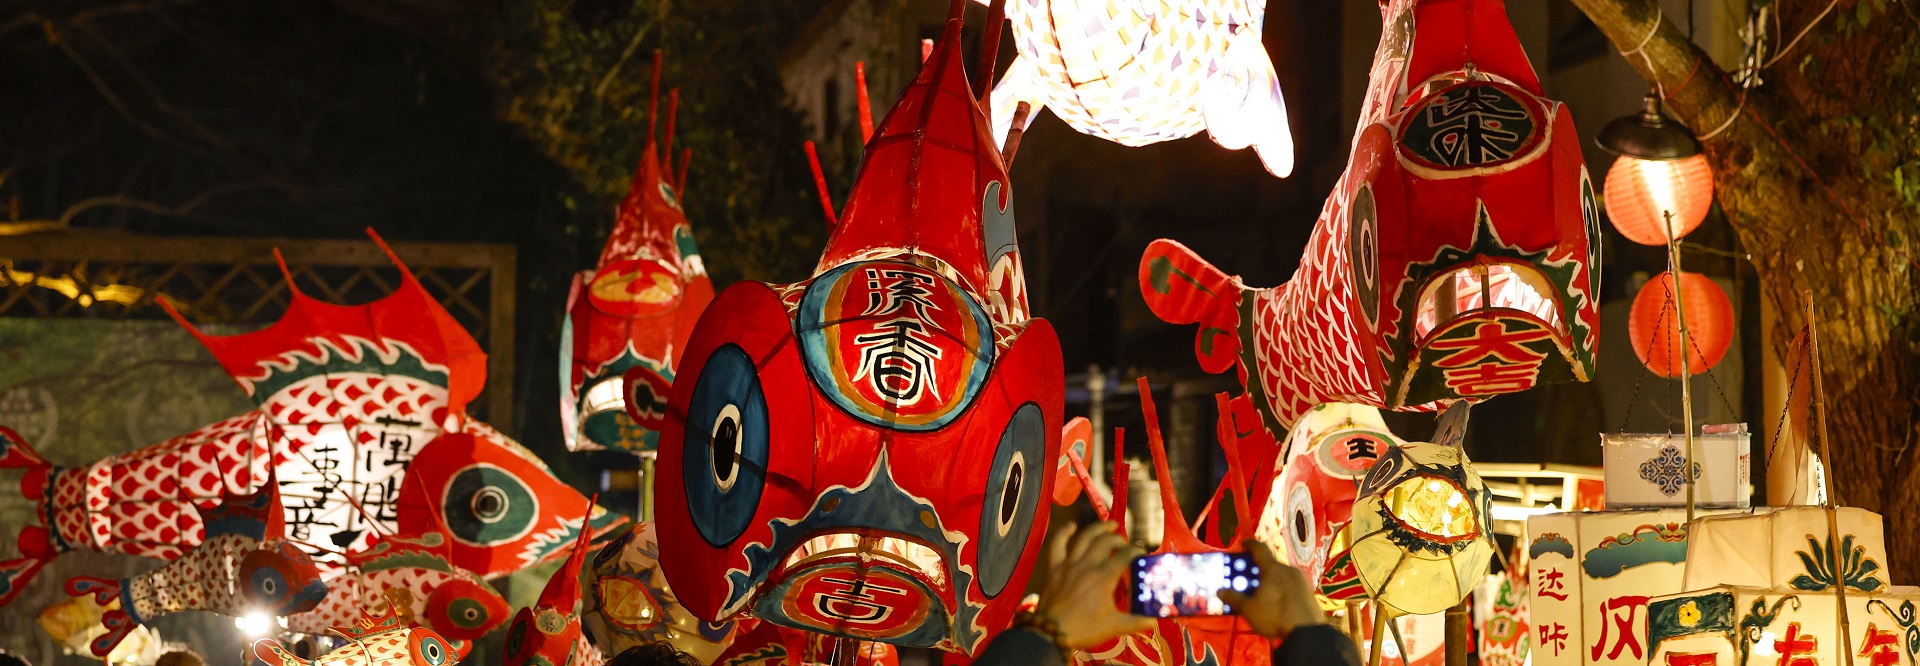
x,y
1833,520
1459,633
1686,357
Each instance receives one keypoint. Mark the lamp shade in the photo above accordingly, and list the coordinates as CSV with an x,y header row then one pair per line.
x,y
1656,330
1639,193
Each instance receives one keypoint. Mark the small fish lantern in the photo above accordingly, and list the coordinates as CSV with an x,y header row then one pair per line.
x,y
1422,538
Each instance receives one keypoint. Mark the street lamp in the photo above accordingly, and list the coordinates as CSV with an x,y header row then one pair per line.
x,y
1660,171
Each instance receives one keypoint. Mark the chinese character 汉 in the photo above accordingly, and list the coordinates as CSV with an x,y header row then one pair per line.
x,y
1618,620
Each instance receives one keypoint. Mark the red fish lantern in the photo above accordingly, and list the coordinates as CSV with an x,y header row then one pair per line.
x,y
1327,454
865,453
548,633
1455,259
373,640
628,320
354,404
1655,325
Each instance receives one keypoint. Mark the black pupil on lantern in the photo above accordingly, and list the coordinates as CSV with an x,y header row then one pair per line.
x,y
487,504
1300,523
725,447
1010,493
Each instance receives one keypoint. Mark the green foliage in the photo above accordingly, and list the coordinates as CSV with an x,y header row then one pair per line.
x,y
575,75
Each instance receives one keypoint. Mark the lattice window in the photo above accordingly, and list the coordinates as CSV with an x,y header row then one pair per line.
x,y
235,281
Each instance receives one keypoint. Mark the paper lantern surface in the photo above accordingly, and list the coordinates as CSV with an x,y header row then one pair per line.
x,y
1455,259
373,640
1506,637
548,633
1655,324
1142,73
1799,553
1640,192
414,572
1651,470
242,565
1422,524
628,602
380,389
628,319
866,453
1328,454
1590,575
1735,626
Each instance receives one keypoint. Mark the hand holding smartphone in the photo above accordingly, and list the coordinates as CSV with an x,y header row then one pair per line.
x,y
1189,584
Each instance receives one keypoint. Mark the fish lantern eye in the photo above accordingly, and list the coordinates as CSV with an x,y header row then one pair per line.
x,y
516,644
1433,507
463,609
726,446
486,506
428,649
1012,498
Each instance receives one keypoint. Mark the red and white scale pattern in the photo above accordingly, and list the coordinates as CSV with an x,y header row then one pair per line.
x,y
1323,360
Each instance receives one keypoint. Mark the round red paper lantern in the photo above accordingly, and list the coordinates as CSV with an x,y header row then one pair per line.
x,y
1656,330
1639,193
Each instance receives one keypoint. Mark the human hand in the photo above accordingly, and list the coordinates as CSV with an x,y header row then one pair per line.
x,y
1283,601
1085,566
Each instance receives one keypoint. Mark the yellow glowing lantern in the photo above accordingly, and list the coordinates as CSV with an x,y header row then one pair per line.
x,y
1421,541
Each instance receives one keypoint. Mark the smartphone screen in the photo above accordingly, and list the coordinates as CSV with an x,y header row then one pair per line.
x,y
1185,584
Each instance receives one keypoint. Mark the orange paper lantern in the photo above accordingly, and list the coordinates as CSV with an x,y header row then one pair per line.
x,y
1639,193
1656,330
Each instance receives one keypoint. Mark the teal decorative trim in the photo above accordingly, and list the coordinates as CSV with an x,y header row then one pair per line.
x,y
1688,616
1758,618
1822,562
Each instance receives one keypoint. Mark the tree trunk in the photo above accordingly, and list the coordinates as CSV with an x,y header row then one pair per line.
x,y
1813,170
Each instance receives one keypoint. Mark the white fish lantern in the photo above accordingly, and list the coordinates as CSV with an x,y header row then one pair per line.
x,y
1422,523
1142,72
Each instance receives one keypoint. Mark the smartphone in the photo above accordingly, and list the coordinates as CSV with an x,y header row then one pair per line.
x,y
1188,584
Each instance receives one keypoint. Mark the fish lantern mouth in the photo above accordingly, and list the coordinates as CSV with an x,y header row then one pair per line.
x,y
1435,508
1484,328
635,288
870,585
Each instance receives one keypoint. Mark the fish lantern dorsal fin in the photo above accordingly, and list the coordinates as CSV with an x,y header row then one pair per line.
x,y
927,172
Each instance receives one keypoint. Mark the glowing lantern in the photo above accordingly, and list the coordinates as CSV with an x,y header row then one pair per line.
x,y
1660,171
1656,331
1423,540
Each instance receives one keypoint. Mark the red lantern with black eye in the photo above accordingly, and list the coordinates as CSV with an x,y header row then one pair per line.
x,y
865,454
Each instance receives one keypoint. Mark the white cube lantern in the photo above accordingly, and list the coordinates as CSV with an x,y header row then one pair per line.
x,y
1731,625
1589,578
1649,471
1789,549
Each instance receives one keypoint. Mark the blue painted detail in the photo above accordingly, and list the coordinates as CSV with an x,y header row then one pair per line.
x,y
1012,497
812,323
728,412
930,632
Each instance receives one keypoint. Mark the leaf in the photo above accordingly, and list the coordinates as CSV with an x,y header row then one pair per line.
x,y
1863,14
1803,582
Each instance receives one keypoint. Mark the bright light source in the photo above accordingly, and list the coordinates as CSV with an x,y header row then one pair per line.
x,y
254,623
1504,512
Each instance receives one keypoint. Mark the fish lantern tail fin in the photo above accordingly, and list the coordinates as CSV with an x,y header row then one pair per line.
x,y
36,541
118,622
1245,107
1182,288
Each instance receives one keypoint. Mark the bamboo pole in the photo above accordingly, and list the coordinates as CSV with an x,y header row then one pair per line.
x,y
1686,358
1379,633
646,488
1459,633
1826,456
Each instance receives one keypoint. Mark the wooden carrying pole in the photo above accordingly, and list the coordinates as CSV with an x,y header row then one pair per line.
x,y
1826,491
1686,356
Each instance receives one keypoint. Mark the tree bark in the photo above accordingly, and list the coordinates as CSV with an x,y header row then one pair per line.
x,y
1808,169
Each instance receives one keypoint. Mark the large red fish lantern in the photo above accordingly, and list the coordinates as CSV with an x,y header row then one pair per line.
x,y
356,406
1457,257
629,318
865,453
